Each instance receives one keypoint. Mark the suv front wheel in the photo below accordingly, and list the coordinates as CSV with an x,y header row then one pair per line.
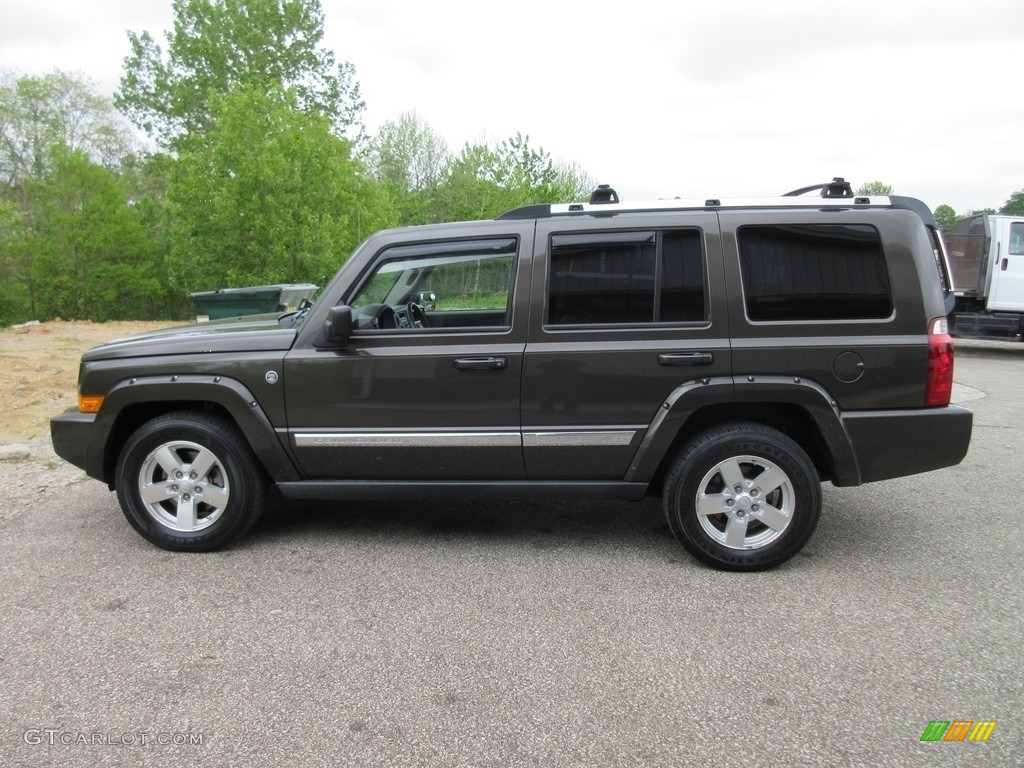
x,y
188,481
742,497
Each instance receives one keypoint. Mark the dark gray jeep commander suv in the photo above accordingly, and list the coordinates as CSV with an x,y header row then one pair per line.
x,y
728,355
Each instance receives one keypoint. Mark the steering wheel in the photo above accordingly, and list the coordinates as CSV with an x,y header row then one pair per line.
x,y
376,316
417,317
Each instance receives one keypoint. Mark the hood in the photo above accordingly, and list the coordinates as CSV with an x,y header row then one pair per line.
x,y
252,333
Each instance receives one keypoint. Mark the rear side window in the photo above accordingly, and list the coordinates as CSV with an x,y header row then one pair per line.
x,y
814,272
941,261
625,278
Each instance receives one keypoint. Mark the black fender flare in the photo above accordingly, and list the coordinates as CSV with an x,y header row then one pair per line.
x,y
694,395
228,393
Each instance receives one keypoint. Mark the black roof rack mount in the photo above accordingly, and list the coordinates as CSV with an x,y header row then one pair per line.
x,y
838,187
604,194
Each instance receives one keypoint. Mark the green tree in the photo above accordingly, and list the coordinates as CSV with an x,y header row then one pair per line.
x,y
409,159
219,45
70,244
429,184
874,188
469,191
91,256
38,113
945,217
15,303
1014,206
145,182
484,181
408,153
268,195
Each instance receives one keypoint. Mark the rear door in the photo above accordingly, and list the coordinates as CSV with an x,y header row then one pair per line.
x,y
622,316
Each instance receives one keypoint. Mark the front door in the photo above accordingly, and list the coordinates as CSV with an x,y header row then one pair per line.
x,y
1007,291
427,386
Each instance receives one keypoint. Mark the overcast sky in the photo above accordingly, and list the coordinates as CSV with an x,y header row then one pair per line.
x,y
660,99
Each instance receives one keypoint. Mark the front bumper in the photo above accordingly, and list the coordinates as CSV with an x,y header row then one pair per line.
x,y
72,436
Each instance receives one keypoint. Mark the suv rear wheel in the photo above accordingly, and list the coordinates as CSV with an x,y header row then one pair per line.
x,y
742,497
188,481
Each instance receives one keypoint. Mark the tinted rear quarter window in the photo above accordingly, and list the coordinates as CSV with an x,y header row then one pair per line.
x,y
814,272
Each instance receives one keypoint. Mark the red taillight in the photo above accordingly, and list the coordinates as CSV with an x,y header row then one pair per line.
x,y
940,363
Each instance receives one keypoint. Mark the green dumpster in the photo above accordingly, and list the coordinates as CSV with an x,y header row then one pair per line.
x,y
254,300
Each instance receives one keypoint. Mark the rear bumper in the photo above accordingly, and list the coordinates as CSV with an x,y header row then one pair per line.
x,y
72,435
891,444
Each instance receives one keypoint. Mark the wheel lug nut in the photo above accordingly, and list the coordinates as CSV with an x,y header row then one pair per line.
x,y
179,474
193,476
197,490
186,497
174,488
739,489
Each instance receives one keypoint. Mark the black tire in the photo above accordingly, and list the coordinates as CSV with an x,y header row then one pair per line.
x,y
715,492
188,481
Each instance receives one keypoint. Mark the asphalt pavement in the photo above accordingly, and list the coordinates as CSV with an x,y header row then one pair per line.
x,y
522,634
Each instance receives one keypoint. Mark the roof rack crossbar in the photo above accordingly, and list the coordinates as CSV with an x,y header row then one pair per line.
x,y
838,187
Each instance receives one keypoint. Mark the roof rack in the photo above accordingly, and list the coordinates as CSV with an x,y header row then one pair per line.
x,y
604,195
605,202
838,187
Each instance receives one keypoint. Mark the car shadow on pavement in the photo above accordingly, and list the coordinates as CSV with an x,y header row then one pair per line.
x,y
538,523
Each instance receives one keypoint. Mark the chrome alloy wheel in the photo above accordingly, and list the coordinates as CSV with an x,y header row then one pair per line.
x,y
184,486
745,502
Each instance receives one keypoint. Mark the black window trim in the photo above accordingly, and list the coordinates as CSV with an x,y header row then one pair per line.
x,y
464,248
812,321
626,236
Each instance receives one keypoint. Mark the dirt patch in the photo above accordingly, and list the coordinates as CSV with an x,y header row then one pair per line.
x,y
39,370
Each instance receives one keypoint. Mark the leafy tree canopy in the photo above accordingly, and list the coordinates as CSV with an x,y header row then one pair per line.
x,y
874,188
945,217
271,195
1015,205
58,109
90,254
219,45
408,153
428,183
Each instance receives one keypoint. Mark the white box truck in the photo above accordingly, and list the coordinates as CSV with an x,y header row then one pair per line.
x,y
986,259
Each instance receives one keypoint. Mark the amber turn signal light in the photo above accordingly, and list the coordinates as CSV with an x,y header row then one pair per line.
x,y
90,403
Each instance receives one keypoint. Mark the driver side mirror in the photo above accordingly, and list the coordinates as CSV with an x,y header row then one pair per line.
x,y
338,325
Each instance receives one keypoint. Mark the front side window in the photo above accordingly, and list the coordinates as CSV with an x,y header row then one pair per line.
x,y
454,285
1017,238
625,278
814,272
